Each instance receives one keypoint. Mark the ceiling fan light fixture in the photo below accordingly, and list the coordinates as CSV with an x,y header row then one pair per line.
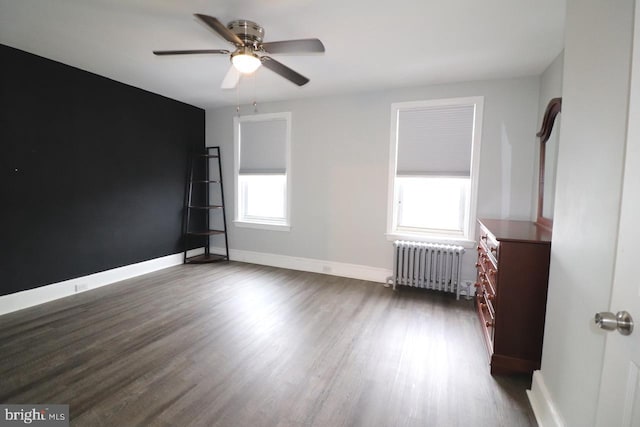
x,y
245,61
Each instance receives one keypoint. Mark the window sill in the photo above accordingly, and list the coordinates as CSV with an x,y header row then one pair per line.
x,y
262,225
430,238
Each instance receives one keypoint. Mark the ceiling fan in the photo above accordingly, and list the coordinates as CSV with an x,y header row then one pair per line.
x,y
250,52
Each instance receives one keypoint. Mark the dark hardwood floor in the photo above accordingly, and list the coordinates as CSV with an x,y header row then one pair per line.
x,y
245,345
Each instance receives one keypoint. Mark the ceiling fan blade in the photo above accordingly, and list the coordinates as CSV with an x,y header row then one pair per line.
x,y
189,52
294,46
284,71
231,79
220,28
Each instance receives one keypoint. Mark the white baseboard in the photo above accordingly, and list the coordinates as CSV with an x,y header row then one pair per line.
x,y
544,409
42,294
354,271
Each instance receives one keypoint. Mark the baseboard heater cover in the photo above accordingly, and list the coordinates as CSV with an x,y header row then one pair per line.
x,y
427,265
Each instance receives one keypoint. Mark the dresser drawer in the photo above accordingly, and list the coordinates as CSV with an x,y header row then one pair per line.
x,y
487,271
490,246
487,318
487,299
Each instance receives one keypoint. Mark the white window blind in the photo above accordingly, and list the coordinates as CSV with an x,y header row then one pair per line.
x,y
263,147
435,140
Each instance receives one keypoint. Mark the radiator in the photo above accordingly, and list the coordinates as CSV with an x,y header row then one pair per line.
x,y
427,265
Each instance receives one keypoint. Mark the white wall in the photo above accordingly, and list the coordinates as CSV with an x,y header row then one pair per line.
x,y
550,84
340,160
595,96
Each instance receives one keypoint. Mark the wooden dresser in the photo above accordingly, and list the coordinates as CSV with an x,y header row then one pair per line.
x,y
511,292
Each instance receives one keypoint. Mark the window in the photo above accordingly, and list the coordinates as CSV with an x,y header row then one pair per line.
x,y
262,178
435,149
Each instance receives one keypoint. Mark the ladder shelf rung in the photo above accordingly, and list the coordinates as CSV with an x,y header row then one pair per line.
x,y
206,207
205,258
205,232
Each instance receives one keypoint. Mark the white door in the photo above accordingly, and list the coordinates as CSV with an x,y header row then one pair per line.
x,y
619,401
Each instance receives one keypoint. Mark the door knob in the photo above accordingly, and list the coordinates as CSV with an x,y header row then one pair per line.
x,y
622,321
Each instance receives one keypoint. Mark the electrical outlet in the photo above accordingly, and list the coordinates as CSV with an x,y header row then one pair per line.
x,y
82,287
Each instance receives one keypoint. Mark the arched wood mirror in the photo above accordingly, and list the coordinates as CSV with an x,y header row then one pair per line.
x,y
549,140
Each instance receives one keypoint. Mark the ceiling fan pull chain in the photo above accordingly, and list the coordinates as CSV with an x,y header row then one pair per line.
x,y
255,104
238,99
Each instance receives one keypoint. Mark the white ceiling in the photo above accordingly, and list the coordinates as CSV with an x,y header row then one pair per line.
x,y
370,45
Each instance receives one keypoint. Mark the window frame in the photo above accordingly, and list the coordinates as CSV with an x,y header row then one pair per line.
x,y
468,236
263,223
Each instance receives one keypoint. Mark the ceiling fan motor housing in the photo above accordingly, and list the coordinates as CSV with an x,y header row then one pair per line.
x,y
249,32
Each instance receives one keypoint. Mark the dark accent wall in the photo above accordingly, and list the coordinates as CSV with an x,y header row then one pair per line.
x,y
93,171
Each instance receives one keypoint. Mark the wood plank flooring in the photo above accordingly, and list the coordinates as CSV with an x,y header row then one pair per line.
x,y
245,345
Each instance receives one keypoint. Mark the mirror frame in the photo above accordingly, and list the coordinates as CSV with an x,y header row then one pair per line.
x,y
553,109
